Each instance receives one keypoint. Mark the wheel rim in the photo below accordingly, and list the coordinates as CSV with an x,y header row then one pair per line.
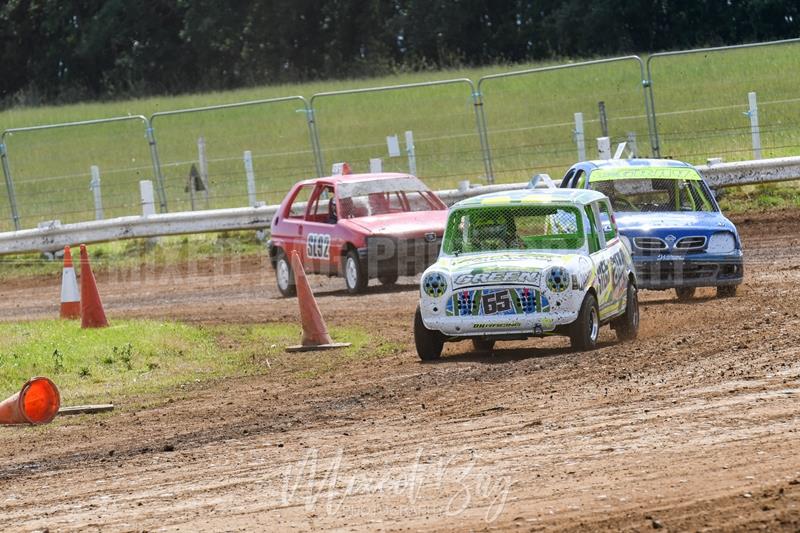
x,y
594,324
351,272
283,274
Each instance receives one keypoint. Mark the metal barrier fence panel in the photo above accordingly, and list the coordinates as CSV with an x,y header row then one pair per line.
x,y
353,126
530,114
274,131
51,169
6,215
702,108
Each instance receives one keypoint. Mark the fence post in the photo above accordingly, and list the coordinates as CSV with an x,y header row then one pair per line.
x,y
603,118
412,156
12,195
604,147
633,149
94,186
251,178
754,127
580,138
203,162
162,192
650,110
313,133
148,203
483,133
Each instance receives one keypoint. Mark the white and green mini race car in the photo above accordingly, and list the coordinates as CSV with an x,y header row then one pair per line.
x,y
527,263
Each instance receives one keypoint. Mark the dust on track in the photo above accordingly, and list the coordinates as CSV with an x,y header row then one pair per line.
x,y
692,426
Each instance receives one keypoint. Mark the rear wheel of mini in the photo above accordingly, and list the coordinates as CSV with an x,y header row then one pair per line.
x,y
627,326
685,293
355,276
726,291
483,345
429,343
585,331
284,275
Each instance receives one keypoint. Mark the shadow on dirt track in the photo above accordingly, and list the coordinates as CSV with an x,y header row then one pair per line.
x,y
499,356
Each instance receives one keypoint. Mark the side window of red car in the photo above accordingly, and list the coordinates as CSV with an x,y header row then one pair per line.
x,y
323,206
300,201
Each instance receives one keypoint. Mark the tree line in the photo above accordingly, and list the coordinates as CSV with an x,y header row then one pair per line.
x,y
60,51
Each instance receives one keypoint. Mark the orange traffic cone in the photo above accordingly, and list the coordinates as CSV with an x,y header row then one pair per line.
x,y
315,333
70,297
36,403
92,314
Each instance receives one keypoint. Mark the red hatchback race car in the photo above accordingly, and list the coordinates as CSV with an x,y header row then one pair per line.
x,y
359,226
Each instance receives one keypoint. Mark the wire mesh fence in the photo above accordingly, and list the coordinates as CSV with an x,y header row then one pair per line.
x,y
690,105
443,145
717,120
51,169
531,121
202,152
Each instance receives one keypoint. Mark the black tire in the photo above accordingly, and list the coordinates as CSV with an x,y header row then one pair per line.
x,y
483,345
284,275
627,326
584,332
429,343
355,275
685,294
726,291
388,278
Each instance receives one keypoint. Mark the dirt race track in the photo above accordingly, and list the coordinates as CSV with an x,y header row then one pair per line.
x,y
694,426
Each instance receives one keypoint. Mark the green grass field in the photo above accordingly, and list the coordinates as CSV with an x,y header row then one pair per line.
x,y
140,361
700,100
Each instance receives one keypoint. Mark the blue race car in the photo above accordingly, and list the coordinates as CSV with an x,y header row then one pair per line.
x,y
670,221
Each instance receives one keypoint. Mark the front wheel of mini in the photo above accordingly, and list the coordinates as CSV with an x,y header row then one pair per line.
x,y
585,331
355,276
726,291
627,326
685,293
285,275
429,343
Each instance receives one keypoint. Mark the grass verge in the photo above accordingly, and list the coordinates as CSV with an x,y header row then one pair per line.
x,y
757,198
140,361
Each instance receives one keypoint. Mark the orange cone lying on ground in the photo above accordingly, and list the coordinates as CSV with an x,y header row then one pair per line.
x,y
37,403
315,333
70,297
92,313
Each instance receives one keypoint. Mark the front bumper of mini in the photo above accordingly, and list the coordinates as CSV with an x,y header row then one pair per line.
x,y
529,312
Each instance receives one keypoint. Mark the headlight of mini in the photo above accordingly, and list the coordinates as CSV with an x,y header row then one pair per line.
x,y
721,243
558,279
434,284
